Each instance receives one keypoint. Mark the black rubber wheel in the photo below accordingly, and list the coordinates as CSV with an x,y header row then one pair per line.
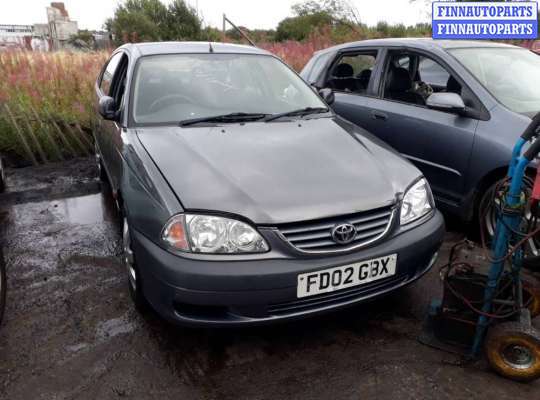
x,y
132,270
486,217
3,286
513,351
2,176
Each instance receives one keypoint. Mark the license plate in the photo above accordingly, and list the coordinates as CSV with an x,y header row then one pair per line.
x,y
332,279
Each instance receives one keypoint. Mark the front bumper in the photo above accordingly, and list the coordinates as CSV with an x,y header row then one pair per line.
x,y
203,290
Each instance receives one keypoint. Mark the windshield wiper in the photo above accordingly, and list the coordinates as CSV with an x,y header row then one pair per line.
x,y
301,111
231,117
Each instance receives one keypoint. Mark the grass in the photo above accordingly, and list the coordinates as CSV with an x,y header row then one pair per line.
x,y
46,109
297,54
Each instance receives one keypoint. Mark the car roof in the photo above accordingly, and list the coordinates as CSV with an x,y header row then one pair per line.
x,y
155,48
419,43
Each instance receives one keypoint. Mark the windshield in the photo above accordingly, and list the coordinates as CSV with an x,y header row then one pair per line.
x,y
510,75
178,87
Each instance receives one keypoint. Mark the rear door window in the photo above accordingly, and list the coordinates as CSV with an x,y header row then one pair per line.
x,y
318,67
432,73
353,72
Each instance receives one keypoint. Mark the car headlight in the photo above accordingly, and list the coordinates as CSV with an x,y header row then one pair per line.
x,y
211,234
417,202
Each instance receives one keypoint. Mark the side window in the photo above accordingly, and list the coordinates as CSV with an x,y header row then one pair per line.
x,y
118,85
317,67
108,74
353,72
404,61
433,74
412,78
306,71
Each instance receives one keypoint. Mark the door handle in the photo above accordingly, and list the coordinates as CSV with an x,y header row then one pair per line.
x,y
379,115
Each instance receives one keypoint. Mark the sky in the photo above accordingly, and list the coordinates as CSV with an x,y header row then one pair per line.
x,y
266,14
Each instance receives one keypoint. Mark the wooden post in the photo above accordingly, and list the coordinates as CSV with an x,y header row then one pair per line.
x,y
45,129
27,148
75,136
61,134
33,136
223,32
83,135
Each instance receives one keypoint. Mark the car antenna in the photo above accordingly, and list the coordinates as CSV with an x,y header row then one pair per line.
x,y
211,49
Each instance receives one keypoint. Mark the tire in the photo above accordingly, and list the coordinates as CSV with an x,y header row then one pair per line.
x,y
2,177
486,216
3,286
102,174
132,270
513,351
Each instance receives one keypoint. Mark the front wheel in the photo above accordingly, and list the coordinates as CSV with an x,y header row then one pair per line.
x,y
133,275
2,176
513,350
3,286
102,174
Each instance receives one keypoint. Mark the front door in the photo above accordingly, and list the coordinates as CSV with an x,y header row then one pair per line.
x,y
109,132
438,143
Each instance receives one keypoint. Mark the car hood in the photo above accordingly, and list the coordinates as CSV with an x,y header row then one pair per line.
x,y
278,172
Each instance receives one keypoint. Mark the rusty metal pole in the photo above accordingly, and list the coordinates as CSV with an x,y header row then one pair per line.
x,y
239,31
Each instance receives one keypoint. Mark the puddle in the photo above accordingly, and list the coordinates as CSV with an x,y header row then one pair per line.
x,y
84,210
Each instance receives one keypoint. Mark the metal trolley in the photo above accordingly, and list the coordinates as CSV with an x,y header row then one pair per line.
x,y
492,310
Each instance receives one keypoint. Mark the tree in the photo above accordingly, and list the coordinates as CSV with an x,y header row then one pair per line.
x,y
312,15
339,10
211,34
83,39
182,22
151,20
299,27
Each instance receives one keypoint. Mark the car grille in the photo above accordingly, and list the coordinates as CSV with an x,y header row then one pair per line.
x,y
316,236
335,298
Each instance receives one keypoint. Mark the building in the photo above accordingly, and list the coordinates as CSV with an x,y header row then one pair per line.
x,y
15,30
15,36
53,35
61,28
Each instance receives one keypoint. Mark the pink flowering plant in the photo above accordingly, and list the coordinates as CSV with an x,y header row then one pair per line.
x,y
46,104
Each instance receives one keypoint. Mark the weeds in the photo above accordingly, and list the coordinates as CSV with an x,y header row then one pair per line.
x,y
46,109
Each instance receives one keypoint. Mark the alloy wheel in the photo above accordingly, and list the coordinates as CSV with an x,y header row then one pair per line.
x,y
128,257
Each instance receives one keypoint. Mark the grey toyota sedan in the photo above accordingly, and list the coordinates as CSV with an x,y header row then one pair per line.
x,y
244,198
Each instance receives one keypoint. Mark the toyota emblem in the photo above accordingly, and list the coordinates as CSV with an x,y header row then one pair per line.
x,y
344,233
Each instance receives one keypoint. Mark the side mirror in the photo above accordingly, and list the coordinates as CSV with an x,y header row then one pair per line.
x,y
451,102
107,108
328,95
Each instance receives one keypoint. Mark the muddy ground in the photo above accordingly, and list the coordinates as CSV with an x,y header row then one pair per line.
x,y
71,332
